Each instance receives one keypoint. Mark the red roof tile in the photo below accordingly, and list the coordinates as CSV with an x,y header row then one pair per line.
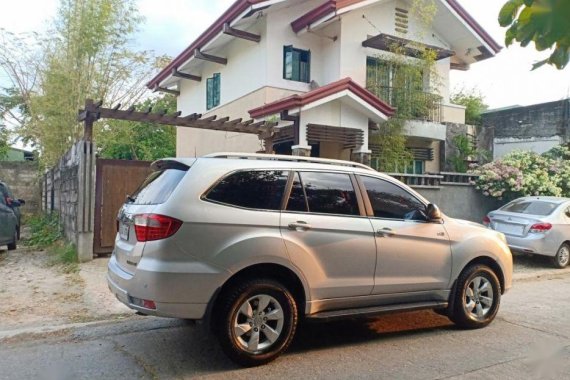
x,y
301,100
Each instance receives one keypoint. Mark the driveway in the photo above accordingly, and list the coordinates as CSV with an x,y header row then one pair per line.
x,y
529,339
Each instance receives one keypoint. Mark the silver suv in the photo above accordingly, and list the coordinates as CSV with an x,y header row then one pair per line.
x,y
253,243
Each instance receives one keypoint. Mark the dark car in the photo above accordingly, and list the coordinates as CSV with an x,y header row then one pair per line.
x,y
10,217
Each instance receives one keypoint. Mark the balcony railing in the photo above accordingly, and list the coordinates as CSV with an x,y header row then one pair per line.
x,y
411,104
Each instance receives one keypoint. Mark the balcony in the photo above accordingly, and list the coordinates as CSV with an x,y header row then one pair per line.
x,y
411,104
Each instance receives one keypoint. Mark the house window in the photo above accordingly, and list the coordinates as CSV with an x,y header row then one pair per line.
x,y
417,167
296,64
386,78
213,91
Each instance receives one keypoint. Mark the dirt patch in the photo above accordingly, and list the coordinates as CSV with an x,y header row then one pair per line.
x,y
37,294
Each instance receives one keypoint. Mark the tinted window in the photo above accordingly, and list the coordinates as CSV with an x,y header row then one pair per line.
x,y
531,207
330,193
252,189
391,201
156,189
297,200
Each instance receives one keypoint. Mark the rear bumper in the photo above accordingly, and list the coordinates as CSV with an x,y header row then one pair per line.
x,y
536,244
175,294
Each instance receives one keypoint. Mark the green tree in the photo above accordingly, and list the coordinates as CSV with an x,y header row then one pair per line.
x,y
3,141
87,55
475,103
544,22
128,140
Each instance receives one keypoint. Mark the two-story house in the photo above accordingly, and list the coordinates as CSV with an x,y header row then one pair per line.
x,y
320,69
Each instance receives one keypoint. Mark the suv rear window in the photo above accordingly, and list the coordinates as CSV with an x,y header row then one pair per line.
x,y
541,208
262,190
158,186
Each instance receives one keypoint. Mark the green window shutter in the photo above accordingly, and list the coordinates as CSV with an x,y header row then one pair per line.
x,y
210,93
305,67
217,89
288,62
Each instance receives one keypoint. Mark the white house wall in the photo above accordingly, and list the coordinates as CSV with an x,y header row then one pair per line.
x,y
281,34
244,74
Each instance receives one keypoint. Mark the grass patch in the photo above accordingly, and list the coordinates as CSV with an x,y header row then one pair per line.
x,y
65,256
45,231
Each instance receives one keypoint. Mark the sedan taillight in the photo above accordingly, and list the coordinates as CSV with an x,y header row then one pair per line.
x,y
149,227
486,220
540,227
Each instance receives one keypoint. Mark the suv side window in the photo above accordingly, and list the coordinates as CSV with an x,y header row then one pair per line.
x,y
261,190
391,201
326,193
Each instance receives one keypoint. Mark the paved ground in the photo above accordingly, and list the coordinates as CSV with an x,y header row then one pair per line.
x,y
529,339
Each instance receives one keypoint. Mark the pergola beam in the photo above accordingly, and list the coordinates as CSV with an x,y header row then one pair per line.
x,y
94,111
241,33
178,74
211,58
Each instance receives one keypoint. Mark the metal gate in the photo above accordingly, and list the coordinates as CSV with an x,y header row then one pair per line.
x,y
115,179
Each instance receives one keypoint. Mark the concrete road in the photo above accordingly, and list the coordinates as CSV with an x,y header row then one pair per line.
x,y
529,339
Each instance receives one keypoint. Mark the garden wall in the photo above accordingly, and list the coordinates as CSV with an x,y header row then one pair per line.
x,y
460,201
69,189
23,179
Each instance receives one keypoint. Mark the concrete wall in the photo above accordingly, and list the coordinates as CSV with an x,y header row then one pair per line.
x,y
538,127
23,179
461,201
69,190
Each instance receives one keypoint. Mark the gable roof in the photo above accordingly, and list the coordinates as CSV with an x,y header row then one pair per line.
x,y
298,101
331,8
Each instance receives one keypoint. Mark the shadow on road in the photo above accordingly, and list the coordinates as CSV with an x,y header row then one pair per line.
x,y
191,350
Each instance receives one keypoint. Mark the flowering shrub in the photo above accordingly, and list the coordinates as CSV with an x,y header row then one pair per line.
x,y
525,173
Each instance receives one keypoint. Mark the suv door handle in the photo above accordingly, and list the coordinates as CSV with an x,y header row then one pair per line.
x,y
385,232
299,226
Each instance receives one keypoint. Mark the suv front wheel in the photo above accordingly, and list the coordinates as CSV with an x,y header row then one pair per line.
x,y
477,297
256,321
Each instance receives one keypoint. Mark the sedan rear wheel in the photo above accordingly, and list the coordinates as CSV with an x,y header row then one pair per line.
x,y
562,257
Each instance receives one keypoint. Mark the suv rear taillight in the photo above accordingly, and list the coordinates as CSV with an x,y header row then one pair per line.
x,y
149,227
486,220
540,227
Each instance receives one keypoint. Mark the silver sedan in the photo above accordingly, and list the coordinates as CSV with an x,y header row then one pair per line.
x,y
535,225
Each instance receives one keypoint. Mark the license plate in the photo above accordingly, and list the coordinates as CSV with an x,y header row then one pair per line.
x,y
124,231
510,229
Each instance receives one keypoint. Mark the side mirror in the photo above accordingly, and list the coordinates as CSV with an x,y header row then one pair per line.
x,y
433,213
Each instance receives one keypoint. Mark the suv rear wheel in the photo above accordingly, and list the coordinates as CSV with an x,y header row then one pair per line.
x,y
477,297
256,321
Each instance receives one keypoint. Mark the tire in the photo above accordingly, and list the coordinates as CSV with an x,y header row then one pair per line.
x,y
253,309
562,257
12,246
476,309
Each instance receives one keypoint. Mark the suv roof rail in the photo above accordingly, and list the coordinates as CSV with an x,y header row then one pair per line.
x,y
278,157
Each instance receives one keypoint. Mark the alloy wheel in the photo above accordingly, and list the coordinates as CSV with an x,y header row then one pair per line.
x,y
258,323
478,300
563,255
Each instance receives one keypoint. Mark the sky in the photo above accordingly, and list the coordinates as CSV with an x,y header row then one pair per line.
x,y
171,25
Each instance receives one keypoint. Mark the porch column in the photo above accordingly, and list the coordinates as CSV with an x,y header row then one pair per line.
x,y
362,157
301,147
